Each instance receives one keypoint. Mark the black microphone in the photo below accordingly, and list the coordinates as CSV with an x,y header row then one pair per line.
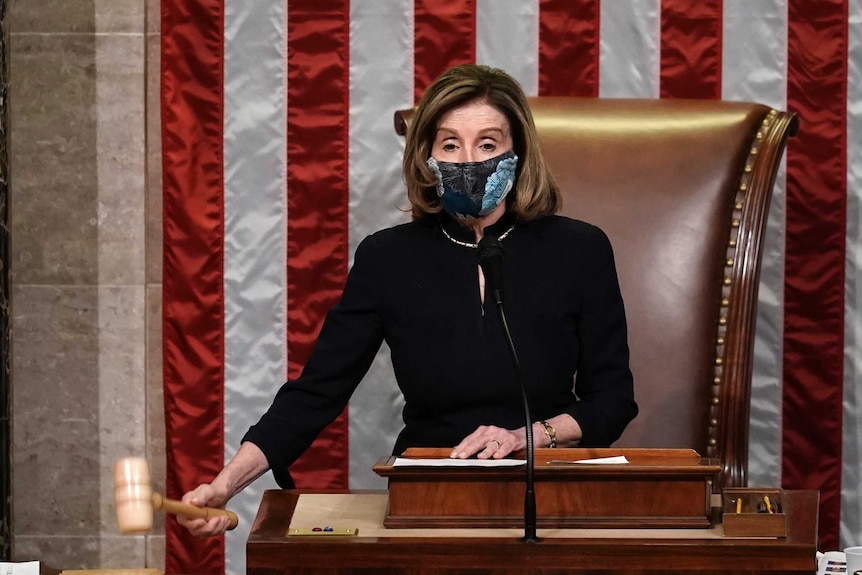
x,y
491,256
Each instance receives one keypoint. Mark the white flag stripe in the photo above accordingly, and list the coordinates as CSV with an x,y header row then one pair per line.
x,y
381,42
381,81
851,478
629,49
754,52
254,240
507,37
755,69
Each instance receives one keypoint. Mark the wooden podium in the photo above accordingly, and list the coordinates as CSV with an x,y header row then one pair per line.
x,y
375,549
656,488
344,532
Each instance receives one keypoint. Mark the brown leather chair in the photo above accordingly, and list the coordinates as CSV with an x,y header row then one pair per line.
x,y
682,188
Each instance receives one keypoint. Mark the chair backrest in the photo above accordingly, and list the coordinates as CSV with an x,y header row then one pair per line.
x,y
682,188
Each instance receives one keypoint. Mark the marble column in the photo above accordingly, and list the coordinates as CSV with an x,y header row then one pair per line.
x,y
85,297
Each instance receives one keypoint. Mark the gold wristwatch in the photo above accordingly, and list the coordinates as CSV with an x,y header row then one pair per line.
x,y
550,432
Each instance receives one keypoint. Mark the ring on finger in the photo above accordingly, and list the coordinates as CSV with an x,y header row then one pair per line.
x,y
494,441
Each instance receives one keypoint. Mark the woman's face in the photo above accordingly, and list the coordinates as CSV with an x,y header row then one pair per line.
x,y
472,132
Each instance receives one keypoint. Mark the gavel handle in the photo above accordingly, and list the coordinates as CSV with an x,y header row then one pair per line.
x,y
180,508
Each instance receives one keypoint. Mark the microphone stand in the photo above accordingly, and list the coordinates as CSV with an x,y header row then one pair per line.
x,y
530,495
491,260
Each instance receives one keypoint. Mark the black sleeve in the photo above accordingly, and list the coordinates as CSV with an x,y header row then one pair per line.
x,y
603,384
348,341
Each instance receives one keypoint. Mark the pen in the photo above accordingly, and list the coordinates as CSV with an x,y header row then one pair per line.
x,y
739,504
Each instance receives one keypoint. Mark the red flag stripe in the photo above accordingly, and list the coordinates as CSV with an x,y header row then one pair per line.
x,y
193,310
444,35
569,47
690,49
815,256
318,99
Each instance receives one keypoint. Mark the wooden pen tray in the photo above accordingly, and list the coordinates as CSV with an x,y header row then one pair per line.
x,y
753,512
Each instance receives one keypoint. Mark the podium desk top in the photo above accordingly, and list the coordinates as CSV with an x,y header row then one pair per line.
x,y
365,511
271,550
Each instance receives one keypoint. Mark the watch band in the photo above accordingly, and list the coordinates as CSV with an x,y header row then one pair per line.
x,y
550,432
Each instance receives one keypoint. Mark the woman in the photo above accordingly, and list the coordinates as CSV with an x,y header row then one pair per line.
x,y
473,167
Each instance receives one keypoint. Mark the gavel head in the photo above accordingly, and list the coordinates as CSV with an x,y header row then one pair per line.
x,y
133,495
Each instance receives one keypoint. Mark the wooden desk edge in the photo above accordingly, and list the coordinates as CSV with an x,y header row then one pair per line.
x,y
277,507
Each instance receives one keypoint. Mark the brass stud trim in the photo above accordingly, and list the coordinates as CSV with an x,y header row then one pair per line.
x,y
733,245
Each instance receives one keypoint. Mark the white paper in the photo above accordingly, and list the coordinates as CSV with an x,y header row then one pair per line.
x,y
405,462
25,568
616,460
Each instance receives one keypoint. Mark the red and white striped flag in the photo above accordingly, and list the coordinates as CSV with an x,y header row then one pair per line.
x,y
280,156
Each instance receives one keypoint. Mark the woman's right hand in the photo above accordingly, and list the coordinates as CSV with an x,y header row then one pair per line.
x,y
205,495
245,466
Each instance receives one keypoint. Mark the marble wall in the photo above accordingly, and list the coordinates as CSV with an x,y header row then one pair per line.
x,y
5,317
85,275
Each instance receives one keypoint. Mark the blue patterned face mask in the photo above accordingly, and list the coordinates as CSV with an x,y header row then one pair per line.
x,y
474,189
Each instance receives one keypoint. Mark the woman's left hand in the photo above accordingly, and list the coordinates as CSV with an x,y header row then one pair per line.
x,y
489,442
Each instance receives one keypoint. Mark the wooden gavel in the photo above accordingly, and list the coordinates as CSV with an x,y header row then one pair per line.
x,y
135,500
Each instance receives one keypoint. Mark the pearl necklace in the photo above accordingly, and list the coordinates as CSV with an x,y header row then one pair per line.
x,y
468,244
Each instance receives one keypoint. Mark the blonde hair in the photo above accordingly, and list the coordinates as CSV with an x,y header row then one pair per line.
x,y
535,193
